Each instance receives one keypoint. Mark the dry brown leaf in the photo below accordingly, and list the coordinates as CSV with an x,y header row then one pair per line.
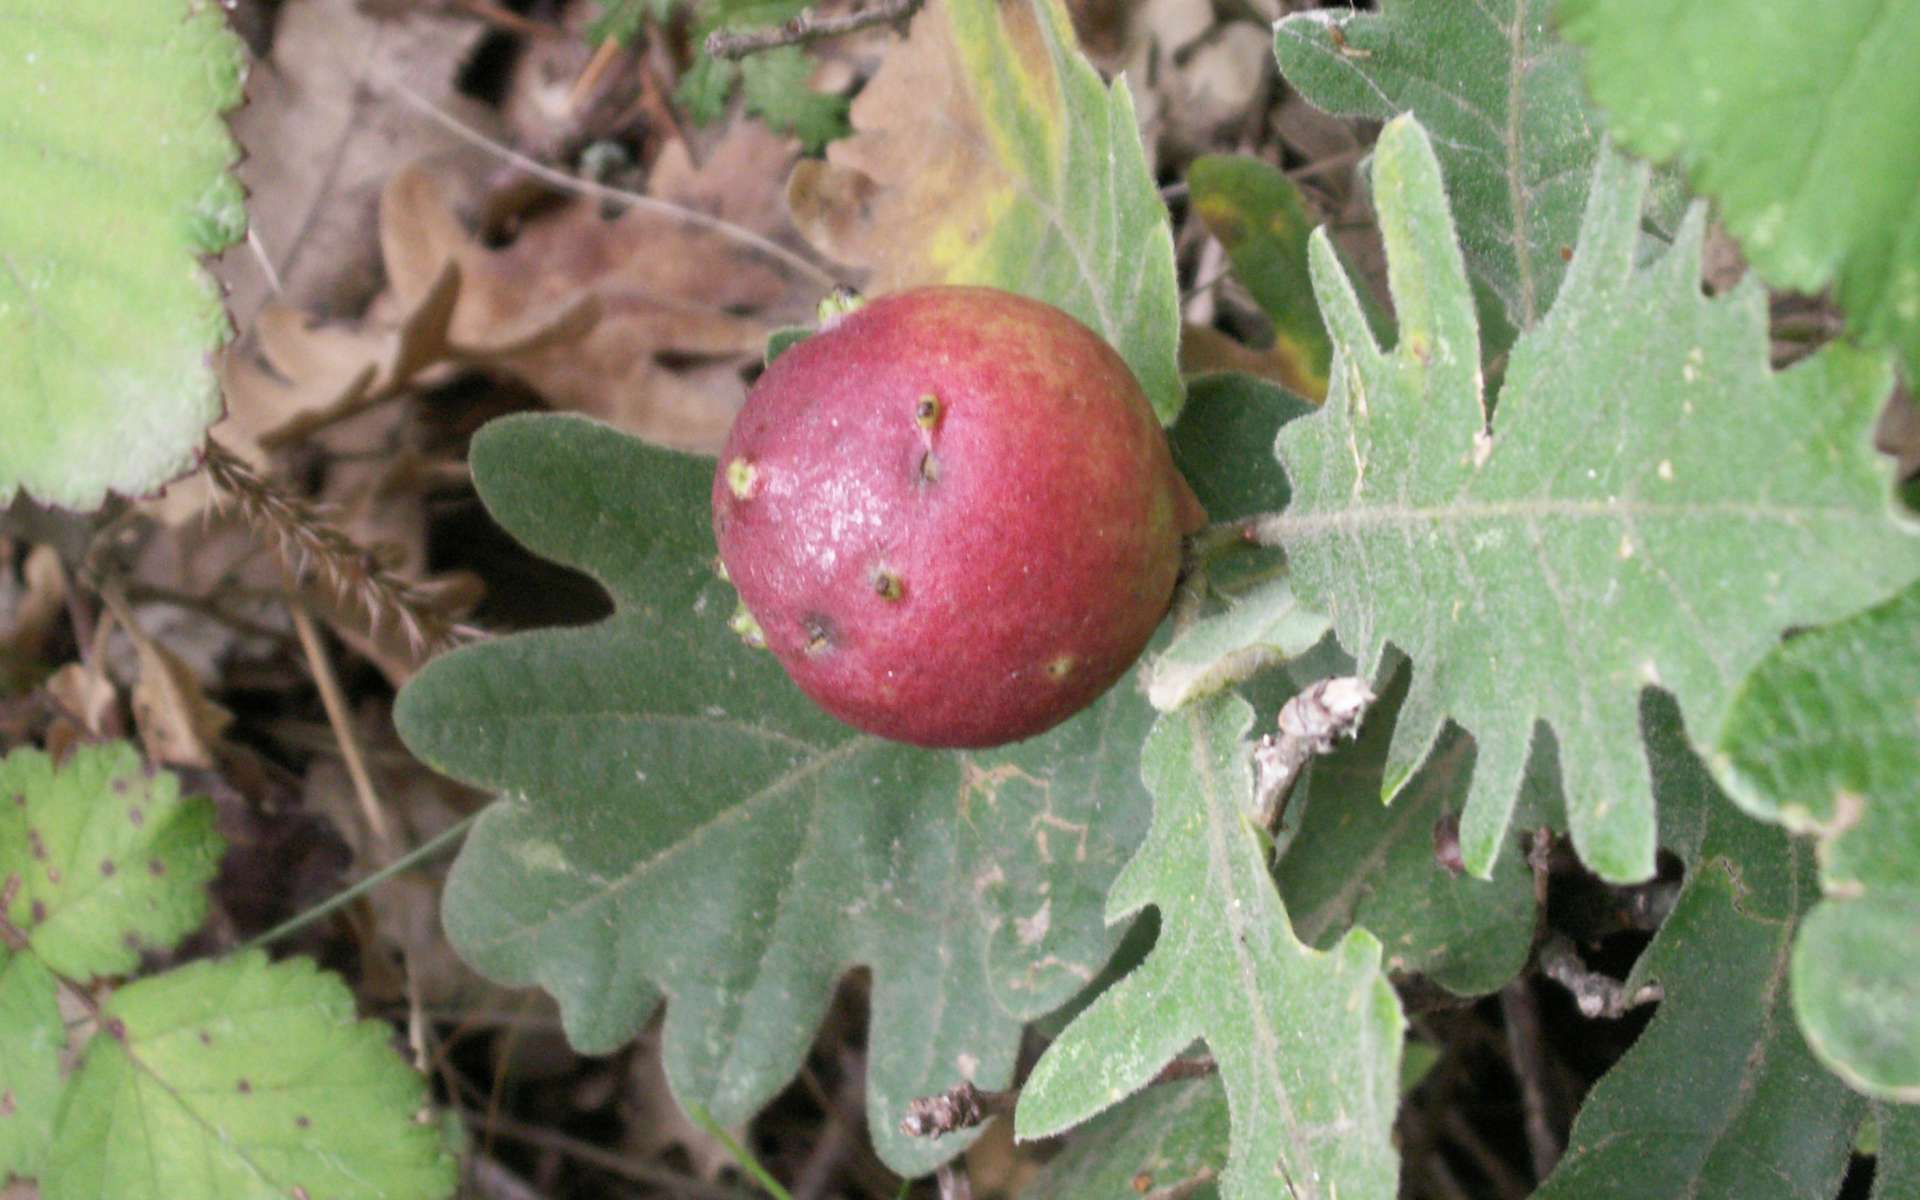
x,y
177,724
40,605
654,1121
86,696
666,291
323,128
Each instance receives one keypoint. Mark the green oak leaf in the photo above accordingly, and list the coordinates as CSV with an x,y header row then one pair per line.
x,y
1262,221
32,1037
1720,1095
1258,630
987,150
1649,506
111,859
1308,1041
114,183
1824,738
1160,1138
1798,120
1897,1166
1354,861
677,820
1501,99
243,1078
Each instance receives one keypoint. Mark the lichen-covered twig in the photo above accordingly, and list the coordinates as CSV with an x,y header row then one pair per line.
x,y
738,43
1597,995
964,1106
1310,725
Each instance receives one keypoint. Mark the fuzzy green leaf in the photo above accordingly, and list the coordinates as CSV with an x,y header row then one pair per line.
x,y
1897,1167
111,859
32,1036
1258,630
1160,1138
1308,1042
243,1078
113,186
1503,102
1798,120
678,819
1604,531
1354,861
1720,1096
1824,739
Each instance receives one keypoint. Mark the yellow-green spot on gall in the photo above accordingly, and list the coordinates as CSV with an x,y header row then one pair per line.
x,y
819,633
748,629
887,585
927,412
1059,667
929,467
741,477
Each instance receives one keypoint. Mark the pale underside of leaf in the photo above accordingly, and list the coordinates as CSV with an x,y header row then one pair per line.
x,y
1608,531
1308,1042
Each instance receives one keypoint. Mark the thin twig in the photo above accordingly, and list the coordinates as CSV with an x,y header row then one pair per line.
x,y
341,899
1311,724
1598,995
625,1166
334,700
601,191
1524,1040
738,43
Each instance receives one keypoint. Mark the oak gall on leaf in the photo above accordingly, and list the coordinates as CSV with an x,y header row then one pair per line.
x,y
952,515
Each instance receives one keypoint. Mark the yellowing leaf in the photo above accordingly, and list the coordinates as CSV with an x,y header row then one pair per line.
x,y
987,151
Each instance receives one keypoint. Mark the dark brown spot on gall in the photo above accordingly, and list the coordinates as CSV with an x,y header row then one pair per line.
x,y
302,1121
135,815
19,799
39,911
53,876
35,846
107,868
120,787
819,633
156,867
7,1105
1566,254
243,1087
116,1029
206,1039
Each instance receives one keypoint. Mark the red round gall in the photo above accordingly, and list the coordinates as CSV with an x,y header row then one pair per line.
x,y
953,516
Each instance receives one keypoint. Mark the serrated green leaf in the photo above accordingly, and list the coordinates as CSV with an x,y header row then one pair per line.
x,y
32,1036
988,151
704,89
1263,222
1503,102
1719,1096
1162,1137
1308,1042
677,818
1353,861
243,1078
1260,629
1824,738
1797,120
1606,531
113,186
774,84
111,859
